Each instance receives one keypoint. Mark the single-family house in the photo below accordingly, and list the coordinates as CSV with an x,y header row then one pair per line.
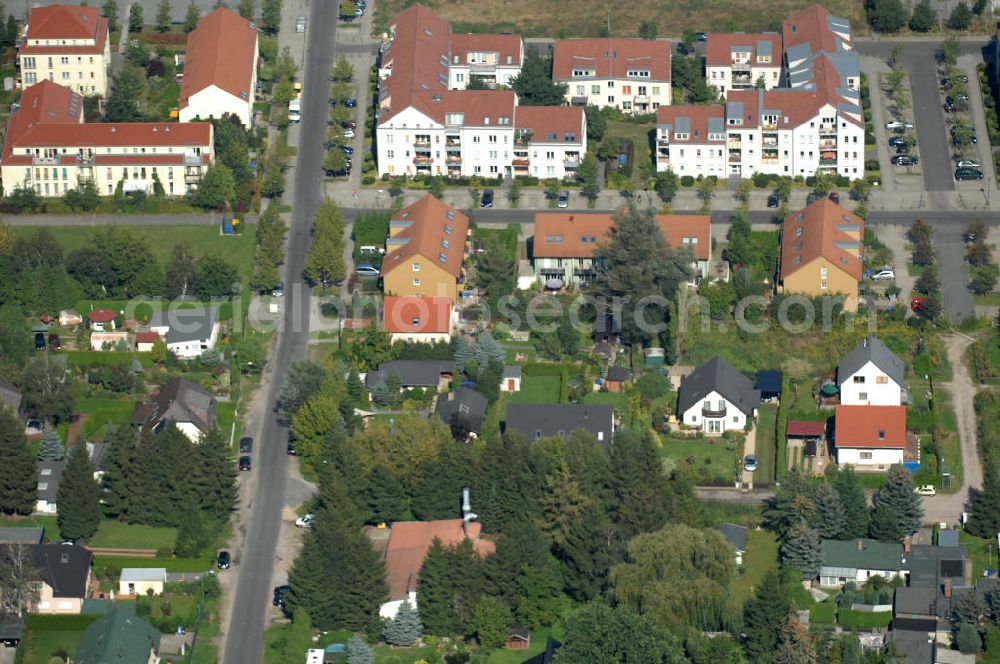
x,y
69,318
871,375
181,402
64,571
857,560
511,379
187,332
463,410
914,639
717,398
407,548
427,374
534,421
737,537
425,250
102,320
142,581
144,341
418,319
870,437
822,248
15,535
49,477
119,636
11,397
108,340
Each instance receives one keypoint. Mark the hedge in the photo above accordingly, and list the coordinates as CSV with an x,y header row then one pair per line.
x,y
111,566
60,622
864,619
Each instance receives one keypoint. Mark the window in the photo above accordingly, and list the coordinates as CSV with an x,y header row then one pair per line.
x,y
476,139
581,90
28,63
863,396
859,380
626,89
65,75
390,154
611,99
656,90
446,243
822,284
416,267
64,60
881,434
881,380
595,89
865,456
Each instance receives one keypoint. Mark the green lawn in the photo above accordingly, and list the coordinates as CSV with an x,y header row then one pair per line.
x,y
102,412
760,557
114,564
508,237
989,299
617,399
823,612
712,460
982,552
765,445
46,522
639,135
179,605
537,389
538,639
863,619
40,647
118,535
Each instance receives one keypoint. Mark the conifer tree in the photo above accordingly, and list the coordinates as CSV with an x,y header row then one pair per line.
x,y
51,446
405,628
828,518
79,497
213,481
899,496
852,497
984,512
18,471
762,612
383,496
117,466
356,391
359,652
884,524
801,550
795,644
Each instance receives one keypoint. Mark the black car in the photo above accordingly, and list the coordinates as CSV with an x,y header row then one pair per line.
x,y
898,141
54,342
811,198
946,83
347,149
333,102
244,463
39,341
904,160
279,595
246,444
950,107
899,130
350,124
772,201
223,560
968,174
351,103
703,36
291,449
949,100
834,196
487,201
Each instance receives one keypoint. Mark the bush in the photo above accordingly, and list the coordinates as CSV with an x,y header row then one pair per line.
x,y
653,386
871,164
528,180
763,180
368,179
687,181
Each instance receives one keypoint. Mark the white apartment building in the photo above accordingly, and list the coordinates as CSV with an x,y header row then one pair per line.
x,y
49,148
691,140
632,75
743,61
426,128
66,44
220,68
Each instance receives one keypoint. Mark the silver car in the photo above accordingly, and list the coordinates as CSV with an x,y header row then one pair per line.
x,y
563,200
884,275
968,163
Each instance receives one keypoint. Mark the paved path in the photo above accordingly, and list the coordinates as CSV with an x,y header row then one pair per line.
x,y
954,271
117,219
749,447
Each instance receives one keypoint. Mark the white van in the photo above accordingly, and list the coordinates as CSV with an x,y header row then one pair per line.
x,y
295,110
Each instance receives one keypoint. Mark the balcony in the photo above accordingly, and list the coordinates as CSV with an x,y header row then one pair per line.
x,y
192,159
453,142
713,414
422,148
734,142
735,158
742,67
422,161
641,99
828,145
422,143
454,159
828,161
770,143
571,164
663,152
769,126
524,137
523,162
828,129
45,161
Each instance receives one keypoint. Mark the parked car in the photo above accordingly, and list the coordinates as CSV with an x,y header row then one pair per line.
x,y
750,463
809,450
487,201
223,560
834,196
279,595
968,163
39,341
305,520
563,200
949,107
927,490
703,36
811,198
278,290
246,444
351,102
899,130
366,270
898,124
961,96
54,342
347,149
244,463
290,449
300,24
885,274
968,174
350,124
918,304
899,141
946,83
772,201
905,160
349,133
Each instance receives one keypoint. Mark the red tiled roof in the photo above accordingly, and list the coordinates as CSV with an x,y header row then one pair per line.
x,y
611,58
698,117
870,426
810,25
64,22
821,230
805,429
146,337
408,544
220,52
576,235
427,234
718,48
677,227
101,315
503,45
432,315
46,103
543,121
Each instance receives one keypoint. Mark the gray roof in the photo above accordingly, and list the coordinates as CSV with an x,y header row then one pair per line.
x,y
186,324
138,574
535,421
798,52
734,109
915,645
49,476
10,395
930,565
948,537
512,371
717,375
862,554
180,400
920,601
740,49
871,349
764,47
65,567
737,535
412,373
943,655
23,535
618,374
682,124
465,404
716,125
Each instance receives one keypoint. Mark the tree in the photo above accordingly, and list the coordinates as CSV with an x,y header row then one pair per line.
x,y
19,577
960,17
79,496
587,174
250,355
123,102
449,586
270,16
50,448
383,496
247,8
496,270
801,550
335,161
215,277
637,264
343,71
984,279
767,608
666,185
163,16
192,17
47,388
487,349
829,517
924,18
597,122
405,628
359,652
534,85
984,511
18,474
852,497
597,633
647,30
135,18
325,261
194,534
213,477
795,644
885,525
304,379
491,622
897,495
967,639
117,468
181,270
217,188
886,15
109,10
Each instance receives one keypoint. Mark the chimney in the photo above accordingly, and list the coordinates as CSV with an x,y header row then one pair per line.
x,y
947,588
907,544
861,545
467,513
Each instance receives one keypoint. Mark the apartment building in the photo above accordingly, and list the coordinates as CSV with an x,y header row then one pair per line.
x,y
429,124
632,75
815,32
66,44
691,140
49,148
220,68
743,61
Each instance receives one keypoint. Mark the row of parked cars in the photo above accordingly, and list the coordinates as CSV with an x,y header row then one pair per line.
x,y
904,145
962,135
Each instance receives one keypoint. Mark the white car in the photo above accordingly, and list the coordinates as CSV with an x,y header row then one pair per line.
x,y
927,490
305,520
968,163
884,275
348,133
896,124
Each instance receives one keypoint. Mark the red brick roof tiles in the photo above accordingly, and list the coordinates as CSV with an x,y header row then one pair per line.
x,y
870,426
611,58
220,52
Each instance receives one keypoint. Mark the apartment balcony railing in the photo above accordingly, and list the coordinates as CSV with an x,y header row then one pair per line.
x,y
192,159
735,158
422,143
454,159
422,161
828,161
571,163
521,161
828,145
734,142
710,413
45,161
641,99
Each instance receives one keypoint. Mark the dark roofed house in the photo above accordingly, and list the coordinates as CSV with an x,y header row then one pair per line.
x,y
118,636
857,560
13,535
49,476
518,638
463,410
65,575
534,421
717,398
871,375
412,373
547,656
737,536
617,378
181,402
769,384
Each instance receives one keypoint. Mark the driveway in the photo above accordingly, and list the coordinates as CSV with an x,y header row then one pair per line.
x,y
954,271
894,237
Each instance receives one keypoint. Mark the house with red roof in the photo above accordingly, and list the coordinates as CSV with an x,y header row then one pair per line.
x,y
50,149
870,437
632,75
430,124
102,320
418,319
741,61
220,68
66,44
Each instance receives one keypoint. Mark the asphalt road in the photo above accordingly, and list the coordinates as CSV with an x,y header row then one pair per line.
x,y
253,592
149,7
954,272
